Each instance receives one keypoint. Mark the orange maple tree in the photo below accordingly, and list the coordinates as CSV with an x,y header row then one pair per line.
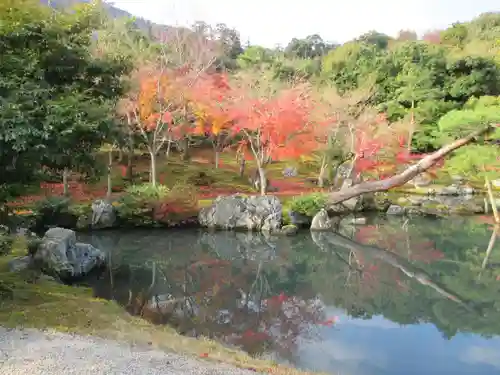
x,y
149,111
212,117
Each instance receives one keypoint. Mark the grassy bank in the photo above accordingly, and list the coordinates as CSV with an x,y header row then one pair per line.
x,y
46,304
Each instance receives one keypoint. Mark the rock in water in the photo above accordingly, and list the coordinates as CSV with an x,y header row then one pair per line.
x,y
60,254
103,214
241,212
395,209
323,222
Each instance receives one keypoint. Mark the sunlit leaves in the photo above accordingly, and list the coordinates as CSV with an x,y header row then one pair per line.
x,y
475,161
459,122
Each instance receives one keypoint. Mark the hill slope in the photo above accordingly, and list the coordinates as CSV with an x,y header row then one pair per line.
x,y
143,24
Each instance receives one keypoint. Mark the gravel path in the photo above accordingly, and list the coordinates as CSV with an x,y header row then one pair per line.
x,y
32,352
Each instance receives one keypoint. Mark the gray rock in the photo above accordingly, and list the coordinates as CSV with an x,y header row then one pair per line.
x,y
458,179
241,212
467,208
354,204
59,253
299,219
416,200
103,214
450,190
272,222
456,190
358,221
394,209
20,264
289,230
421,180
467,190
322,221
352,220
338,209
290,172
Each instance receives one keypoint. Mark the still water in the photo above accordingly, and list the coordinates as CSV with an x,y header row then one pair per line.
x,y
392,297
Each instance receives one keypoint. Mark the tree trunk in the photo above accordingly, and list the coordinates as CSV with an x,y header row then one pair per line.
x,y
322,172
409,173
185,149
242,166
110,182
130,157
217,158
491,245
152,171
336,176
65,182
262,179
129,175
169,147
492,201
412,126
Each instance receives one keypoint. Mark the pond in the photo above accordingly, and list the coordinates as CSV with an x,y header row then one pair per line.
x,y
394,296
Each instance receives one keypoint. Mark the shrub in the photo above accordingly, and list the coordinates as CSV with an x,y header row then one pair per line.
x,y
6,242
148,191
51,205
184,194
134,210
309,204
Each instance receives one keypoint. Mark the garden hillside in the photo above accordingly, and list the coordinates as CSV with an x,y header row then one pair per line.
x,y
93,107
109,122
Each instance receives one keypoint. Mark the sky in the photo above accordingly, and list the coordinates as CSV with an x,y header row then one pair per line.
x,y
276,22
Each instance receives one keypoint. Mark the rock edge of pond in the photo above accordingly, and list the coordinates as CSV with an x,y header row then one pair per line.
x,y
255,213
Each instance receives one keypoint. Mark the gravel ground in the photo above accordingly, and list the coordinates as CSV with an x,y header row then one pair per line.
x,y
49,353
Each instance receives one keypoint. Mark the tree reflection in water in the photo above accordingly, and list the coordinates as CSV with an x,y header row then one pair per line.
x,y
266,295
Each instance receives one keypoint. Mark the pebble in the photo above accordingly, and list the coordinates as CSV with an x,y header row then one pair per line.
x,y
32,352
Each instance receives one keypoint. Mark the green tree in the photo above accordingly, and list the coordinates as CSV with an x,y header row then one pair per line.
x,y
350,64
52,88
482,159
254,56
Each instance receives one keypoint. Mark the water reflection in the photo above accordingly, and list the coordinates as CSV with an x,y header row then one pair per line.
x,y
380,299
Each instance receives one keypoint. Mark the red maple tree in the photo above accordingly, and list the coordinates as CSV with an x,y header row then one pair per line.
x,y
276,126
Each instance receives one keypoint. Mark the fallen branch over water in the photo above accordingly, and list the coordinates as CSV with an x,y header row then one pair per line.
x,y
409,173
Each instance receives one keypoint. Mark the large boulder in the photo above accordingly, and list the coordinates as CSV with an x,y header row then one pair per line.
x,y
60,254
242,212
103,214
